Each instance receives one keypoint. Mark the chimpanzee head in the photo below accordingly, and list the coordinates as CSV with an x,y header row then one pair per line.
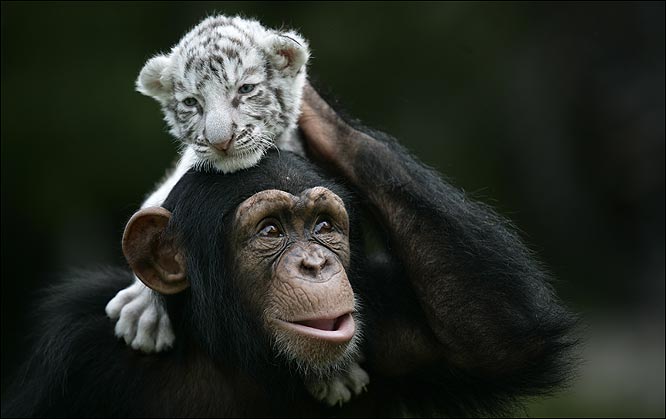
x,y
255,264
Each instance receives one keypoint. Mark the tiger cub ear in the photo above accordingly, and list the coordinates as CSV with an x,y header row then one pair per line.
x,y
288,51
155,79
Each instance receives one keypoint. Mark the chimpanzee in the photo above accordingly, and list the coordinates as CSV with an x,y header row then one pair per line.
x,y
267,281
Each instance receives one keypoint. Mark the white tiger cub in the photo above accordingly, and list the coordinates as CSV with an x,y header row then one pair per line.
x,y
229,90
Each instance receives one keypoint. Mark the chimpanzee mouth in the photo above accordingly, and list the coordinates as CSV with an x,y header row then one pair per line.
x,y
336,330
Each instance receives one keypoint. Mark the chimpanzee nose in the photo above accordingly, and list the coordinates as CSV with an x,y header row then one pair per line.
x,y
223,146
312,263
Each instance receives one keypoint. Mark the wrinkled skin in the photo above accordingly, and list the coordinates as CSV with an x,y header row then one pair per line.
x,y
292,253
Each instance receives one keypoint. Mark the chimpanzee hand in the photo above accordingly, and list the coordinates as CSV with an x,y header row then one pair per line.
x,y
329,140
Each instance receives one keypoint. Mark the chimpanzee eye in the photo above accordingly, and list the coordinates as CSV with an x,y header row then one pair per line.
x,y
246,88
190,101
270,230
323,227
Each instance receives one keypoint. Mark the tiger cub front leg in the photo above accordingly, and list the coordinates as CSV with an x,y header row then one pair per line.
x,y
142,320
341,387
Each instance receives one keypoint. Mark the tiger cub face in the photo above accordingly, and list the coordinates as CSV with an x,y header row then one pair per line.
x,y
229,89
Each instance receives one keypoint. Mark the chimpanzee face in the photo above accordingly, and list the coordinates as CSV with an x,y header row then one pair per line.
x,y
290,255
293,251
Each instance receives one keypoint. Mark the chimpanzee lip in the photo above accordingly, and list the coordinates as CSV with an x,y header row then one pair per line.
x,y
338,329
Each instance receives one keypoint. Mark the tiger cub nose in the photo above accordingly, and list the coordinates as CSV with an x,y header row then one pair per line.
x,y
223,146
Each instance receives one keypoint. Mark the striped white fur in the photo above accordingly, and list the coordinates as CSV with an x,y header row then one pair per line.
x,y
210,64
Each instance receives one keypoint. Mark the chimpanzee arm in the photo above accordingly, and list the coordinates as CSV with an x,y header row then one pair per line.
x,y
487,304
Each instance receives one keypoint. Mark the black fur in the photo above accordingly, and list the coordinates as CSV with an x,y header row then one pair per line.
x,y
496,305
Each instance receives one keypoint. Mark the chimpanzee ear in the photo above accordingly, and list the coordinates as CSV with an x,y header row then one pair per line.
x,y
288,51
154,257
155,78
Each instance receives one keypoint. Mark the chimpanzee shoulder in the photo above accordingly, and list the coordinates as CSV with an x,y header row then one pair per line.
x,y
72,336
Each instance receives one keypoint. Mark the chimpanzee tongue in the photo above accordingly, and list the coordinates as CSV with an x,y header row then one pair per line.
x,y
321,324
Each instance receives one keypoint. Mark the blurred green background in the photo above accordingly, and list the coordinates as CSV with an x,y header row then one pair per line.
x,y
552,113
